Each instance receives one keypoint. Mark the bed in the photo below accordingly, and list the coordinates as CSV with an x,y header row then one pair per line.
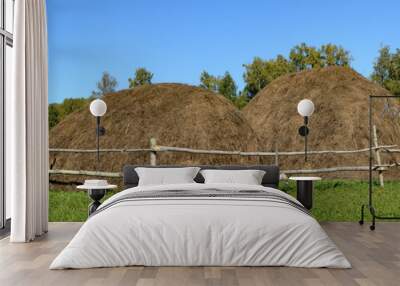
x,y
201,224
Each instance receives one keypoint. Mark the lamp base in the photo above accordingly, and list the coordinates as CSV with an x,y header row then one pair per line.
x,y
96,195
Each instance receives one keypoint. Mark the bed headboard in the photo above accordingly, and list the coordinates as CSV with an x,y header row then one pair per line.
x,y
271,177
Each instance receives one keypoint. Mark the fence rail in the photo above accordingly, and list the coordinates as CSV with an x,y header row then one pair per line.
x,y
154,149
378,168
63,150
86,173
159,149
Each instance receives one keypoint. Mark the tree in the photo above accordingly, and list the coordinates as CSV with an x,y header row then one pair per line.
x,y
382,66
302,57
387,70
107,84
70,105
58,111
255,77
333,55
224,85
260,73
142,77
305,57
208,81
54,115
227,86
241,100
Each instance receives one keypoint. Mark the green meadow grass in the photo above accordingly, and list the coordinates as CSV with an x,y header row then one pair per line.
x,y
341,200
69,205
334,200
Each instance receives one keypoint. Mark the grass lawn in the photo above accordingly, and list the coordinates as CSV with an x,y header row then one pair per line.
x,y
333,201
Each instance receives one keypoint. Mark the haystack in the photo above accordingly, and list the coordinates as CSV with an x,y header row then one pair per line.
x,y
174,114
340,120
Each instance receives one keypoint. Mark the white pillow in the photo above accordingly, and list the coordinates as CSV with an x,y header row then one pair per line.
x,y
165,176
248,177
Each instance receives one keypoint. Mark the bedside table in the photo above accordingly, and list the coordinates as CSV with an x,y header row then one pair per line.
x,y
96,193
305,190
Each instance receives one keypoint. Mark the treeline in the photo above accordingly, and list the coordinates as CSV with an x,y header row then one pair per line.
x,y
107,84
260,72
387,70
58,111
257,74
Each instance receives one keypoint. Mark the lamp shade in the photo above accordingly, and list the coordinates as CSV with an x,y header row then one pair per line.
x,y
98,107
305,107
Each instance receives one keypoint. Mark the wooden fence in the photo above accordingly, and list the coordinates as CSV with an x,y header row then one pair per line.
x,y
155,149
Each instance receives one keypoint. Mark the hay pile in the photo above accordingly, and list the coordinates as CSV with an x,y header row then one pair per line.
x,y
340,120
175,114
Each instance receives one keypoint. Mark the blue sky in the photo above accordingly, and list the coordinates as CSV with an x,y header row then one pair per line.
x,y
177,40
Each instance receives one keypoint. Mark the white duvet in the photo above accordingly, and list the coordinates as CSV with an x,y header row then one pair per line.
x,y
200,231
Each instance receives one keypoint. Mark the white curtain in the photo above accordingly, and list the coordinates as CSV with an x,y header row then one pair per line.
x,y
27,124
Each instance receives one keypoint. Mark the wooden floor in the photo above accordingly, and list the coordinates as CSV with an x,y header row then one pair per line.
x,y
375,257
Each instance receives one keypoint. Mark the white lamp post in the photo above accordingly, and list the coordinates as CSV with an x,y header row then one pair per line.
x,y
98,108
305,108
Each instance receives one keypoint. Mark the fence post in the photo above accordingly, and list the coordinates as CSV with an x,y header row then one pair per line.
x,y
153,152
276,154
378,155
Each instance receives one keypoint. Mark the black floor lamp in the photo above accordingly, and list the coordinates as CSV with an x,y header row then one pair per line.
x,y
98,108
305,108
370,205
